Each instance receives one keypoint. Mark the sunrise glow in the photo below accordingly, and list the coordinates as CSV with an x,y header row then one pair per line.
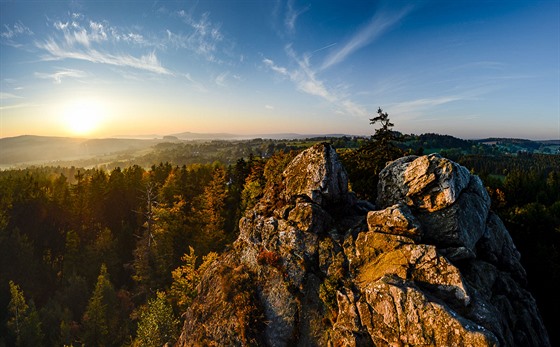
x,y
83,116
463,68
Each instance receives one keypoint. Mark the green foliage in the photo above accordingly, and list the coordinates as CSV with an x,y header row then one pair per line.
x,y
187,277
101,318
102,251
157,325
362,173
209,213
251,194
254,185
383,146
276,165
527,198
364,164
59,224
17,308
263,173
24,321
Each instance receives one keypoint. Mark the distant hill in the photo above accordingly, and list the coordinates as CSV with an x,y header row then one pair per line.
x,y
431,140
28,149
551,142
523,145
187,135
34,150
227,136
505,140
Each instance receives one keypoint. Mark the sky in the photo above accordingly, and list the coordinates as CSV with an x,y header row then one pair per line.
x,y
467,68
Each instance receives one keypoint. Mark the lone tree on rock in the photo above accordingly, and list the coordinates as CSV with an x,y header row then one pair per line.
x,y
382,146
364,164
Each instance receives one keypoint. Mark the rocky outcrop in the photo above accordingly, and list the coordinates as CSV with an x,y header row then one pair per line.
x,y
431,265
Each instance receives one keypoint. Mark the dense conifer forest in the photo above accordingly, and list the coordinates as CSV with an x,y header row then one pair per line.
x,y
111,255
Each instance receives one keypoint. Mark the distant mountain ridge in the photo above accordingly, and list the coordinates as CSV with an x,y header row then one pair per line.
x,y
227,136
31,149
35,150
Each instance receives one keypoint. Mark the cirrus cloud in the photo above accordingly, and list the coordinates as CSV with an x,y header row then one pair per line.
x,y
68,50
58,76
378,24
306,80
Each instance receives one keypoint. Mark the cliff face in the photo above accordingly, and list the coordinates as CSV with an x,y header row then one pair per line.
x,y
313,266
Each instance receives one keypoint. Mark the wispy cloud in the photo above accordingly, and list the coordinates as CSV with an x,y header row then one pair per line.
x,y
77,37
292,15
413,109
69,50
306,80
17,29
79,30
221,79
6,96
203,36
379,24
95,42
10,107
10,34
484,64
269,107
428,102
303,76
279,69
57,77
7,101
195,84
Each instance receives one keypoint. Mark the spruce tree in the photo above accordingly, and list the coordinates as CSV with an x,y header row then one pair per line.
x,y
101,315
24,320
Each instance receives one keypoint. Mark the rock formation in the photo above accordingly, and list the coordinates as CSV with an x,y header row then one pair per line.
x,y
313,266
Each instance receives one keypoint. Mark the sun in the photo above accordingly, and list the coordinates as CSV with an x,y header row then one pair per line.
x,y
83,116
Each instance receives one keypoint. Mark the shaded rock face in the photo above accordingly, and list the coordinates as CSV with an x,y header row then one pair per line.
x,y
317,174
431,266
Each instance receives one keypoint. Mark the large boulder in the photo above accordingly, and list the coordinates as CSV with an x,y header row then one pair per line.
x,y
313,267
429,183
318,174
451,204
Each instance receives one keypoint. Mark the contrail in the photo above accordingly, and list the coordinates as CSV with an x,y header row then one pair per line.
x,y
320,49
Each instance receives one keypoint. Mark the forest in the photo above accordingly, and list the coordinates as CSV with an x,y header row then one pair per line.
x,y
111,256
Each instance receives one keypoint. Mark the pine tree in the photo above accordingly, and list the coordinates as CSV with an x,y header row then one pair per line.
x,y
364,164
24,320
382,148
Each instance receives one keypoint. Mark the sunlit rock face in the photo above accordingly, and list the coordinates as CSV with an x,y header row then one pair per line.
x,y
431,265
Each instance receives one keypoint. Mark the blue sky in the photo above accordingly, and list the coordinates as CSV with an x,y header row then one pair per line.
x,y
471,69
